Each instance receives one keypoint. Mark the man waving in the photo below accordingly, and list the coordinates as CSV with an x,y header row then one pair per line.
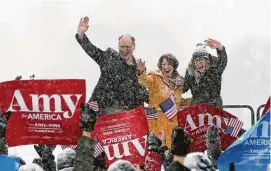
x,y
118,89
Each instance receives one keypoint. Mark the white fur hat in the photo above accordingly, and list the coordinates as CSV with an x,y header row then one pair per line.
x,y
30,167
121,165
200,51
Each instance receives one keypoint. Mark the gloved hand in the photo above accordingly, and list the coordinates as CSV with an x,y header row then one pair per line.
x,y
180,142
3,123
153,142
88,118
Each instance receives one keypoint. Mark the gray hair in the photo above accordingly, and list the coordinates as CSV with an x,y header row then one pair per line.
x,y
132,38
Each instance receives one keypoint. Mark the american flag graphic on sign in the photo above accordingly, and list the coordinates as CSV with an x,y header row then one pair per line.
x,y
93,105
98,149
151,113
234,126
68,146
169,107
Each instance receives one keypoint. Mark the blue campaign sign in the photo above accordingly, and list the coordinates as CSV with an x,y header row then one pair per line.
x,y
251,152
9,163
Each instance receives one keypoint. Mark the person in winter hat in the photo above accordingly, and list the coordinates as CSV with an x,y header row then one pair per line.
x,y
204,73
161,85
213,143
31,167
180,144
121,165
65,159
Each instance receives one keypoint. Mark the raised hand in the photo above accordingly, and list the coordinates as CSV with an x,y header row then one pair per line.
x,y
83,25
141,66
214,44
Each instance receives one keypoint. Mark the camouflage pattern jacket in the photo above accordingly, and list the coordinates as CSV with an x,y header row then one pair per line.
x,y
84,160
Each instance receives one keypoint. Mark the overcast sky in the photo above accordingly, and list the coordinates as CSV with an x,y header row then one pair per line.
x,y
38,37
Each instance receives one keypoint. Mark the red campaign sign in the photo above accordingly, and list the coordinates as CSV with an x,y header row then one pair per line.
x,y
197,118
266,107
123,135
43,111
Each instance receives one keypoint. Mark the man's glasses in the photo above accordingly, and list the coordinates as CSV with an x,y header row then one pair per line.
x,y
125,47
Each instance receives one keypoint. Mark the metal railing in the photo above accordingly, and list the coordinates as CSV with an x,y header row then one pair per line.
x,y
243,106
259,111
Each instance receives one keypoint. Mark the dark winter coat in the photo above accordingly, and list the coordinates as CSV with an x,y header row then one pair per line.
x,y
208,88
118,80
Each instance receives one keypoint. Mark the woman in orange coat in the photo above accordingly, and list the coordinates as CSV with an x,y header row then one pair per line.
x,y
161,85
